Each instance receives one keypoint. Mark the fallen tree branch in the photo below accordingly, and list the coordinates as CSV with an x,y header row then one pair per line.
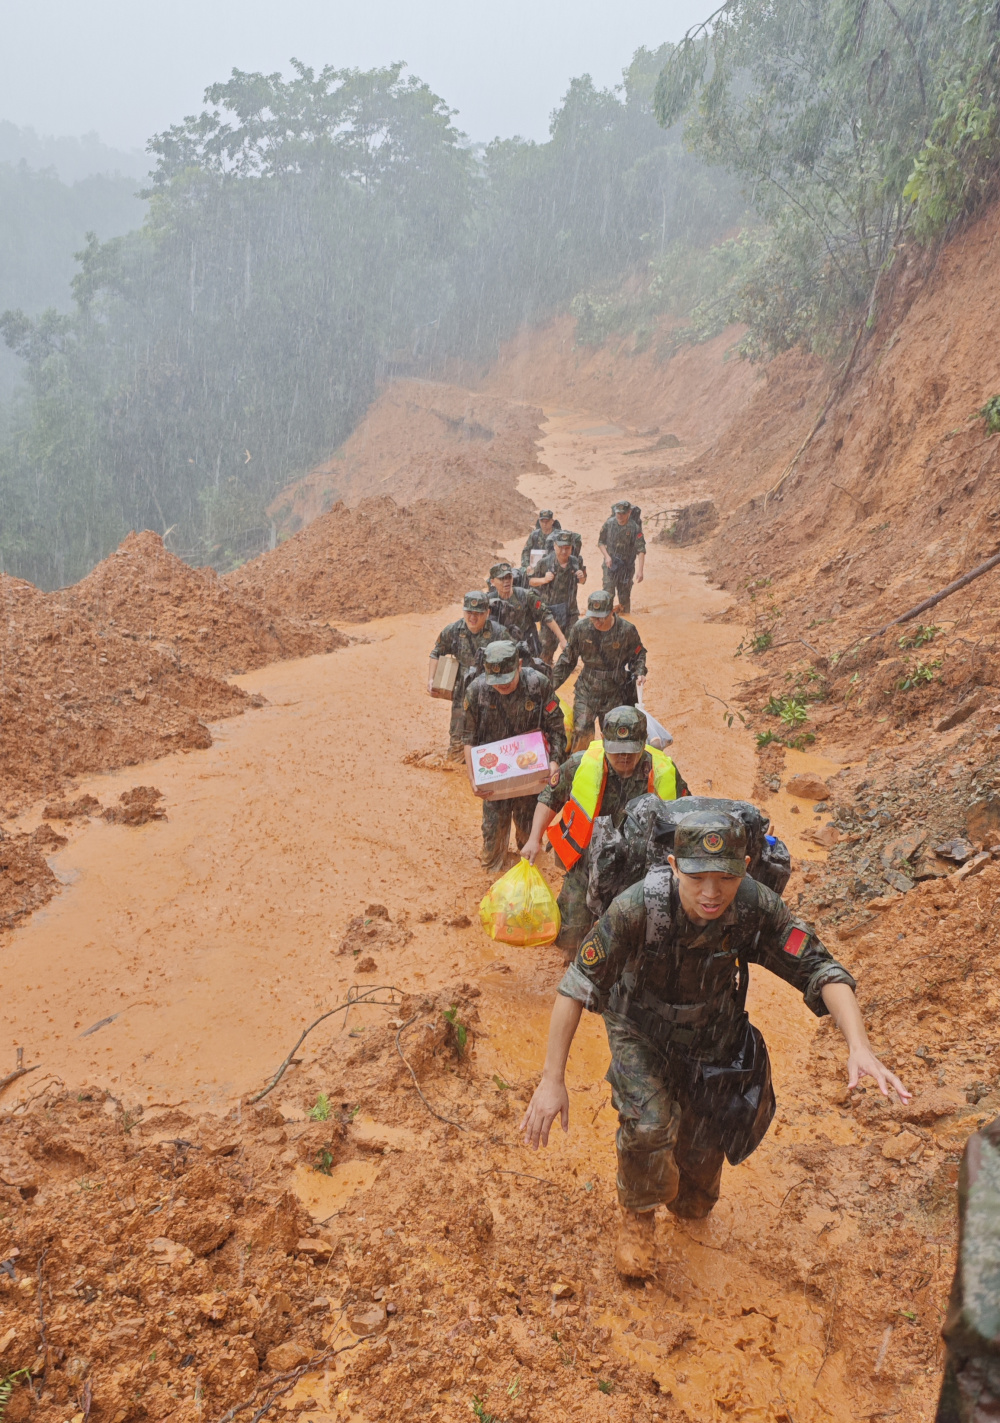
x,y
500,1171
354,997
19,1071
416,1084
936,598
287,1381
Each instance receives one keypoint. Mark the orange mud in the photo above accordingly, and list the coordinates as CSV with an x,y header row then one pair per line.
x,y
301,857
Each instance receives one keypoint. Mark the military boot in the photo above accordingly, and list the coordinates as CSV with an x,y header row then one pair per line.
x,y
635,1250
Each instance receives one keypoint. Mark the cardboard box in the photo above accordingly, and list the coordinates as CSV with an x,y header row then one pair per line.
x,y
445,676
514,767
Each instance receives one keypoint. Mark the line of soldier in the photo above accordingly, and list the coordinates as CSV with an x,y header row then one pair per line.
x,y
666,963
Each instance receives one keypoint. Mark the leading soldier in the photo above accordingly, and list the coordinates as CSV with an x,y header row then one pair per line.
x,y
623,549
508,700
463,639
557,577
599,781
614,666
690,1078
520,610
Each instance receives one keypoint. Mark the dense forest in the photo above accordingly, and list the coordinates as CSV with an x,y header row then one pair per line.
x,y
310,235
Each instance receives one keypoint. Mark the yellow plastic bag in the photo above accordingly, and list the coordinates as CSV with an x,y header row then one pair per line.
x,y
567,715
521,909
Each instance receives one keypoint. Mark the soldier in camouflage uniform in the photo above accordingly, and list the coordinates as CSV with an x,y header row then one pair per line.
x,y
519,610
970,1392
623,549
557,577
629,768
463,639
545,525
614,666
666,966
507,700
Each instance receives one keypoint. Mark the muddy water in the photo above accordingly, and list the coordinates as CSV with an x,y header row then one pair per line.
x,y
202,945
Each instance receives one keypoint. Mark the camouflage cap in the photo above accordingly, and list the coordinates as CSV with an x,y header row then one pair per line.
x,y
501,570
624,730
562,537
711,842
475,603
620,506
600,603
546,514
501,662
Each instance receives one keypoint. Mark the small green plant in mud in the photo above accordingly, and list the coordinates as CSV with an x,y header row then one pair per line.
x,y
320,1110
765,615
918,674
500,1083
7,1387
990,412
764,738
925,633
458,1032
606,1385
324,1161
514,1388
479,1409
792,710
800,742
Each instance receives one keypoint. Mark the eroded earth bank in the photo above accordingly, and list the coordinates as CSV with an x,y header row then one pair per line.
x,y
347,1246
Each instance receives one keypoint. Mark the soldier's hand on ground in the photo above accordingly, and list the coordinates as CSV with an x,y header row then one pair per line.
x,y
530,849
550,1100
862,1062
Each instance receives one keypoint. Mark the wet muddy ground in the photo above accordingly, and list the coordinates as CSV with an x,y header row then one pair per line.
x,y
305,855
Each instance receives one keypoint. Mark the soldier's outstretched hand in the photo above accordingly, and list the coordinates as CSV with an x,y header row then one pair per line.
x,y
862,1062
550,1100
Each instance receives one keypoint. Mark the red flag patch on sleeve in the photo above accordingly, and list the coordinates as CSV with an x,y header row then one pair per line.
x,y
551,706
796,942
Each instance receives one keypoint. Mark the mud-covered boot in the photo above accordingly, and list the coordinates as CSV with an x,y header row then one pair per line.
x,y
635,1250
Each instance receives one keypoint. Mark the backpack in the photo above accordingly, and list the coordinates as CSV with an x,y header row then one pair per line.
x,y
620,858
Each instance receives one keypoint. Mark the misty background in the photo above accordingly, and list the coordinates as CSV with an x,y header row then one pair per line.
x,y
213,254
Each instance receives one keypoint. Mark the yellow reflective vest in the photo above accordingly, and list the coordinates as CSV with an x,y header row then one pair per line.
x,y
570,834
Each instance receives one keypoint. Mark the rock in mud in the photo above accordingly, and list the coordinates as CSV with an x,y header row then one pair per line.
x,y
807,787
901,1147
136,807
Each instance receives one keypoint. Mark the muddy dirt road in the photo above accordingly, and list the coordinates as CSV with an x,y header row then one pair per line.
x,y
183,958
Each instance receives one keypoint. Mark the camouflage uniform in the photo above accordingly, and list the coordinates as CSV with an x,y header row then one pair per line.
x,y
970,1392
559,596
690,1076
536,540
577,919
458,641
520,614
491,716
624,543
611,660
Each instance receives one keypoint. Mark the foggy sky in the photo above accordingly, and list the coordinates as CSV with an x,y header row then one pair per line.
x,y
129,68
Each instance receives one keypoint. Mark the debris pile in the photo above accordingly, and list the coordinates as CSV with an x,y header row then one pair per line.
x,y
382,557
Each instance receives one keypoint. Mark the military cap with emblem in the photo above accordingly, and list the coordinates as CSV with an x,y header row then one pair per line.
x,y
501,570
624,730
546,514
501,659
563,537
475,603
620,506
710,842
600,603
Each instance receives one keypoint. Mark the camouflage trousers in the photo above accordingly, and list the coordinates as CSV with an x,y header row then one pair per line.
x,y
497,817
593,698
456,728
618,582
577,919
680,1116
548,641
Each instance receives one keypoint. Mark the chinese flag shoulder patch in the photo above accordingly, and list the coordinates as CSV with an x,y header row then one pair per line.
x,y
551,706
796,942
